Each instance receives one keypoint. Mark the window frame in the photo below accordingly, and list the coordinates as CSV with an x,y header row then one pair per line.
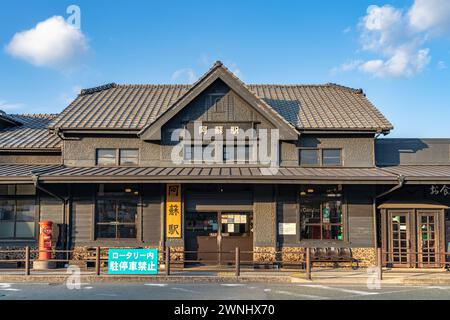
x,y
320,157
120,157
309,165
343,223
15,199
136,223
117,157
331,165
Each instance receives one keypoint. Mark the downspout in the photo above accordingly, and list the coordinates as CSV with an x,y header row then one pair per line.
x,y
400,183
65,201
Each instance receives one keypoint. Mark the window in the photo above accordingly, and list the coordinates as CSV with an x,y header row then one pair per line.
x,y
117,211
238,153
129,157
331,157
321,215
325,157
17,218
106,157
236,224
309,157
114,157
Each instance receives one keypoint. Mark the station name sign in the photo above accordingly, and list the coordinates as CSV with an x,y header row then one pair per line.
x,y
173,211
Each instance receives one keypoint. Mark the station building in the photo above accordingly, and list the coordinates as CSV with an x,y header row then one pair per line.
x,y
103,171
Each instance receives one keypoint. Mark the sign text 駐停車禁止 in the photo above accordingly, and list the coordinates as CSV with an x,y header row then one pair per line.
x,y
133,261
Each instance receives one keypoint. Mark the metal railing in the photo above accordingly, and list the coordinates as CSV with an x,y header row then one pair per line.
x,y
236,259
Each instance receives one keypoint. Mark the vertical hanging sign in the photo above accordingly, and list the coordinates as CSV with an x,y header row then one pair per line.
x,y
173,211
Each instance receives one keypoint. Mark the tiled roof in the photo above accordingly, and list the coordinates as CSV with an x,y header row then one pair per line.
x,y
309,107
32,134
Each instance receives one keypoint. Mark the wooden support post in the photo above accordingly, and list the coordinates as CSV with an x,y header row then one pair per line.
x,y
238,261
167,261
27,260
97,261
308,263
380,263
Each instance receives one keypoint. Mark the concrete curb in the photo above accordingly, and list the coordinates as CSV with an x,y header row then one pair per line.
x,y
58,279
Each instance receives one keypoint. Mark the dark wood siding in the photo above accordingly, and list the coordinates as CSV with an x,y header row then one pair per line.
x,y
152,201
82,213
360,216
287,212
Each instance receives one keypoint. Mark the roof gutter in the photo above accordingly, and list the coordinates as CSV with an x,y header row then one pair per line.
x,y
401,182
35,178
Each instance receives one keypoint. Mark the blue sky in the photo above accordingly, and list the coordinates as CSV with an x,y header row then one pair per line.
x,y
397,51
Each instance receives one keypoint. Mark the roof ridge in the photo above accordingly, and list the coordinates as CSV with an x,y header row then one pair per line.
x,y
36,115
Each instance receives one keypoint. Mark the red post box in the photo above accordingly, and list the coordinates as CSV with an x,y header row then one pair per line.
x,y
45,240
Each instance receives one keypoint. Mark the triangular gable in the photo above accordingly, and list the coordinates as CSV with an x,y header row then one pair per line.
x,y
218,71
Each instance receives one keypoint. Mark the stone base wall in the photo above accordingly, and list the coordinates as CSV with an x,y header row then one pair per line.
x,y
366,257
264,254
17,253
82,255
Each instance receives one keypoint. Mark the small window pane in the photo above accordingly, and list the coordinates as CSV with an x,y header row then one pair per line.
x,y
25,229
25,189
7,189
6,229
331,157
187,152
125,231
309,157
106,231
7,210
129,157
106,157
25,210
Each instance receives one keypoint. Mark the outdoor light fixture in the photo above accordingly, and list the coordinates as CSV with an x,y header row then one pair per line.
x,y
310,190
128,190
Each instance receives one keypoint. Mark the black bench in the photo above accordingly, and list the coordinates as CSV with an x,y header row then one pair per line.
x,y
334,255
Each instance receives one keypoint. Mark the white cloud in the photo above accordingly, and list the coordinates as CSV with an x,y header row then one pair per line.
x,y
185,75
9,107
403,63
430,15
442,65
51,43
397,38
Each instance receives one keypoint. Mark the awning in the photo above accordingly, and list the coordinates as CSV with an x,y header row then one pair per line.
x,y
412,205
64,174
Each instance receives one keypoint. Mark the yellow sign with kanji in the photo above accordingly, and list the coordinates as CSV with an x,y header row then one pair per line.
x,y
173,211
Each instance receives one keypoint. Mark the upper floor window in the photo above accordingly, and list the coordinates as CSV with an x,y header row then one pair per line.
x,y
309,157
317,157
129,157
114,157
331,157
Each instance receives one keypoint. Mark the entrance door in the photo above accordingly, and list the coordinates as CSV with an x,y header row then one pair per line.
x,y
400,238
202,230
236,231
428,239
212,237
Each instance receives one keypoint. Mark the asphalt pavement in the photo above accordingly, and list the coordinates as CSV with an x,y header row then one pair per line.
x,y
217,291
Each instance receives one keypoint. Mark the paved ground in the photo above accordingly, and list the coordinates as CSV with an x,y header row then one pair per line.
x,y
216,291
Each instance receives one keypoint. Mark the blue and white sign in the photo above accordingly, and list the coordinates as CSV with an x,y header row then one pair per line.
x,y
133,261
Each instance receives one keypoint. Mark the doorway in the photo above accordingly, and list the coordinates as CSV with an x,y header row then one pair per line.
x,y
211,237
414,237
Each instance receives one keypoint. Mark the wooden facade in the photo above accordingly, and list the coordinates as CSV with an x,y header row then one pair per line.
x,y
225,205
